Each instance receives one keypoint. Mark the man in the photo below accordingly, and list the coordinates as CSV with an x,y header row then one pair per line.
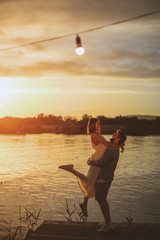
x,y
108,165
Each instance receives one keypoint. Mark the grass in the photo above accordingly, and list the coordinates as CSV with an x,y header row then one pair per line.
x,y
28,222
75,214
27,225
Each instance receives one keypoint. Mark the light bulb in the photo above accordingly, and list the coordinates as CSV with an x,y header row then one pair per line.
x,y
79,50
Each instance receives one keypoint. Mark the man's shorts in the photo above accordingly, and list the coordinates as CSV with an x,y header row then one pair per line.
x,y
101,190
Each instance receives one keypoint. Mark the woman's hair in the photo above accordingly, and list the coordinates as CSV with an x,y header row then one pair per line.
x,y
91,126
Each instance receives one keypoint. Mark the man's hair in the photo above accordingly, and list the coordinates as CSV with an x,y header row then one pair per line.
x,y
122,136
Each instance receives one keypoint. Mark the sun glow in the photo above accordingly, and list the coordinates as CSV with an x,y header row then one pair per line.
x,y
6,89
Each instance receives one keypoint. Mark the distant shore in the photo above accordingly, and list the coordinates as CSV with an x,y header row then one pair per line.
x,y
132,126
105,129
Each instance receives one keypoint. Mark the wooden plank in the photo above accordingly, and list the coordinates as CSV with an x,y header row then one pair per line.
x,y
57,230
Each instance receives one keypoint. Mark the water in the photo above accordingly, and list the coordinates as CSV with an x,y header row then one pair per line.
x,y
29,167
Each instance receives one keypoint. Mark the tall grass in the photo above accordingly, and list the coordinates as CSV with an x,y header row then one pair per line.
x,y
73,215
27,224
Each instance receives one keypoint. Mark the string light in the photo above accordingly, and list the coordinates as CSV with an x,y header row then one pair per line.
x,y
79,49
85,31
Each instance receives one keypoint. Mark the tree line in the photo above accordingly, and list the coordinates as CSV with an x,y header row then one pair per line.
x,y
71,125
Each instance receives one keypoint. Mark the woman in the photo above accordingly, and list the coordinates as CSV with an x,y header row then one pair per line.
x,y
100,145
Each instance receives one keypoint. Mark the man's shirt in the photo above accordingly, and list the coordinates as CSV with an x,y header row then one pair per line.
x,y
108,164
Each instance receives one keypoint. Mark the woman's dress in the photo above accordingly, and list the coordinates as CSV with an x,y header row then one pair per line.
x,y
87,185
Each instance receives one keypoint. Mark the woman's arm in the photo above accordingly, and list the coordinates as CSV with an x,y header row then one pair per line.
x,y
97,139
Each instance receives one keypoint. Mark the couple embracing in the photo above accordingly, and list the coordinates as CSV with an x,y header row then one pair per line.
x,y
102,165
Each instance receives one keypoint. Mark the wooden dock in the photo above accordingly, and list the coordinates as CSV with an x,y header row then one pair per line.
x,y
57,230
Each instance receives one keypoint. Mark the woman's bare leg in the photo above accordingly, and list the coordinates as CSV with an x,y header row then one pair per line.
x,y
84,206
85,201
70,169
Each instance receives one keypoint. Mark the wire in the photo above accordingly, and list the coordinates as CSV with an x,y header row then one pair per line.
x,y
85,31
122,21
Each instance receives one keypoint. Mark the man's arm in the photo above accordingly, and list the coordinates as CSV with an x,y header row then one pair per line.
x,y
107,156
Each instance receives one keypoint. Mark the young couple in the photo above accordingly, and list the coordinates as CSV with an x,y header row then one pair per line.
x,y
101,171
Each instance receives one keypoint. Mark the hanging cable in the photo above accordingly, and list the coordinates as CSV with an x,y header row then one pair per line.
x,y
85,31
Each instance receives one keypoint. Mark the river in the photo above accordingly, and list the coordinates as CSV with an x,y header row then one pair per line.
x,y
32,179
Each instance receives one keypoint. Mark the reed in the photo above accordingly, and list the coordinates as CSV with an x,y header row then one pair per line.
x,y
27,224
75,214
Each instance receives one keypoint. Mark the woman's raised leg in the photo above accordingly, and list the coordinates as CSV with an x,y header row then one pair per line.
x,y
70,168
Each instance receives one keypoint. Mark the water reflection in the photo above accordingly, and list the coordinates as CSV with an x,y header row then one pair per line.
x,y
29,167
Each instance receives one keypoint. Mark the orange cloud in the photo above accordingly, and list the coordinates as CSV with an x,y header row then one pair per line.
x,y
74,68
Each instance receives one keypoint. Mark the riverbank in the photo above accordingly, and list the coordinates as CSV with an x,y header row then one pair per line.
x,y
51,124
57,230
137,130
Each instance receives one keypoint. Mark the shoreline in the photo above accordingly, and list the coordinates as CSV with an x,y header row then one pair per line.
x,y
103,133
132,126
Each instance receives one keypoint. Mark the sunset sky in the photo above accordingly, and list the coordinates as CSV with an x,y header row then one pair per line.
x,y
118,74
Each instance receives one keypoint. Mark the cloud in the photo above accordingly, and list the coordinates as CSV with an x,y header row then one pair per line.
x,y
5,1
35,47
53,91
2,33
76,13
41,68
129,67
118,52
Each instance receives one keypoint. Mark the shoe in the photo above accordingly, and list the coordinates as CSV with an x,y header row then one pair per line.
x,y
101,224
66,167
84,210
105,228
